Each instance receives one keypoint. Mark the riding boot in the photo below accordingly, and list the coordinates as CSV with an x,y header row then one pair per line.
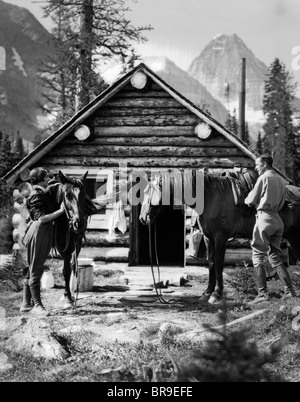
x,y
26,303
261,282
38,308
286,281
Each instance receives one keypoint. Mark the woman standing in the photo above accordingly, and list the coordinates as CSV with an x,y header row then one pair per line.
x,y
38,238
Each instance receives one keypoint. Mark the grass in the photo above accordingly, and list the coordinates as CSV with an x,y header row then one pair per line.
x,y
235,355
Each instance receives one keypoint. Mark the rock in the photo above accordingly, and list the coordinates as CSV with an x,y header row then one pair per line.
x,y
115,317
36,338
71,329
4,364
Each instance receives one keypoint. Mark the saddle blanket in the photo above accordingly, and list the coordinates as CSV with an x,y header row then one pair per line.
x,y
292,194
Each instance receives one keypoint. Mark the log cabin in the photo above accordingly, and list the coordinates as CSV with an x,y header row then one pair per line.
x,y
140,123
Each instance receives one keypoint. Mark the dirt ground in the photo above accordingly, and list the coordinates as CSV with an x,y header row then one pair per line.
x,y
115,314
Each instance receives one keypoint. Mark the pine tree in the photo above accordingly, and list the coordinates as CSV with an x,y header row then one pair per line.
x,y
6,155
19,151
277,107
37,140
259,144
247,138
103,32
6,209
203,105
231,122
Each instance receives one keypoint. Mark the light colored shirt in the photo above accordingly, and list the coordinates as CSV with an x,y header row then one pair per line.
x,y
268,193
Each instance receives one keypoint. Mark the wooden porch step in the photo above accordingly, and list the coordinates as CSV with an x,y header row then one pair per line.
x,y
121,254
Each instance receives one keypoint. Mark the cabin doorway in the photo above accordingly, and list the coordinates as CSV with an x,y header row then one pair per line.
x,y
170,238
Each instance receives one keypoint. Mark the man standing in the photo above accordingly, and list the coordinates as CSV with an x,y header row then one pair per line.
x,y
268,196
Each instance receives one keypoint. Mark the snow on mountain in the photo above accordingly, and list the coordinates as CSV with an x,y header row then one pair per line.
x,y
186,85
25,42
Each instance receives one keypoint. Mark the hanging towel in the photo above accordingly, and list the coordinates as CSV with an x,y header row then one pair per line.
x,y
196,182
118,219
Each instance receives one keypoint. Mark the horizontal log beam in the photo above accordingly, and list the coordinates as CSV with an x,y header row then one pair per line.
x,y
148,170
86,150
180,141
144,131
148,94
147,162
129,111
152,120
143,102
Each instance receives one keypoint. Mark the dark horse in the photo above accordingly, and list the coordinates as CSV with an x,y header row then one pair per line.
x,y
69,229
221,219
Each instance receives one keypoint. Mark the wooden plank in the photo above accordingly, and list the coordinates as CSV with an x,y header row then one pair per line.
x,y
88,150
139,94
143,102
142,131
150,162
117,169
112,254
178,141
101,239
149,120
125,111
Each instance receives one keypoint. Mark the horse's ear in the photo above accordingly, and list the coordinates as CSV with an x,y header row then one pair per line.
x,y
62,178
83,177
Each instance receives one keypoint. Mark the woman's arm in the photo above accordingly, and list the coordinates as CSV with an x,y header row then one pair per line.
x,y
52,216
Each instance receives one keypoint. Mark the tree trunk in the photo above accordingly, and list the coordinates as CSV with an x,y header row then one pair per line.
x,y
86,31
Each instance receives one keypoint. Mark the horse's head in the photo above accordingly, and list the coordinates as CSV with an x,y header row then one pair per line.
x,y
151,202
73,196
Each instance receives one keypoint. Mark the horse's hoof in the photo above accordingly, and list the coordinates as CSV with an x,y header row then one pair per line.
x,y
68,302
214,299
204,297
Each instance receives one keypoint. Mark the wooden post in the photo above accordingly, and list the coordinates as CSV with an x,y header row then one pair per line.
x,y
86,278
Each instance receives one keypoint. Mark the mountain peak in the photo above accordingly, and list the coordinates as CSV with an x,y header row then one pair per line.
x,y
219,65
182,82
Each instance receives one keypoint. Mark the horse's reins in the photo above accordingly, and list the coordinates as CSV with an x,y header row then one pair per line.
x,y
74,252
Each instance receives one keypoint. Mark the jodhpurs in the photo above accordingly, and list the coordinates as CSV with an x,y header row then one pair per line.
x,y
38,241
267,235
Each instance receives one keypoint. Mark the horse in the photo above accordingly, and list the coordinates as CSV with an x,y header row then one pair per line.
x,y
221,220
69,228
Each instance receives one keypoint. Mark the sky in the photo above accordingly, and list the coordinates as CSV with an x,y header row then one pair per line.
x,y
182,28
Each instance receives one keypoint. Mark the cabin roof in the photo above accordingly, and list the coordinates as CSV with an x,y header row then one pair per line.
x,y
42,149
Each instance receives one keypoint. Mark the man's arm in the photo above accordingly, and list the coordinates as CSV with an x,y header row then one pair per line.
x,y
254,196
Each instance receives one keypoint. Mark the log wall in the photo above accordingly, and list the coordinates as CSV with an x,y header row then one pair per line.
x,y
146,129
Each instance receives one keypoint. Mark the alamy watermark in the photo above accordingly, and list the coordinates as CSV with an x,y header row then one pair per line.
x,y
2,59
296,59
132,187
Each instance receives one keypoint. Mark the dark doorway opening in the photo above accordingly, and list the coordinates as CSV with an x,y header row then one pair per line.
x,y
170,238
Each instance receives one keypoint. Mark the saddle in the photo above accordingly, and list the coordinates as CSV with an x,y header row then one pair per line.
x,y
241,183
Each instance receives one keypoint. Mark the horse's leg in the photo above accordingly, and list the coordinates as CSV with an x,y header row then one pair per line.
x,y
68,300
212,274
219,256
